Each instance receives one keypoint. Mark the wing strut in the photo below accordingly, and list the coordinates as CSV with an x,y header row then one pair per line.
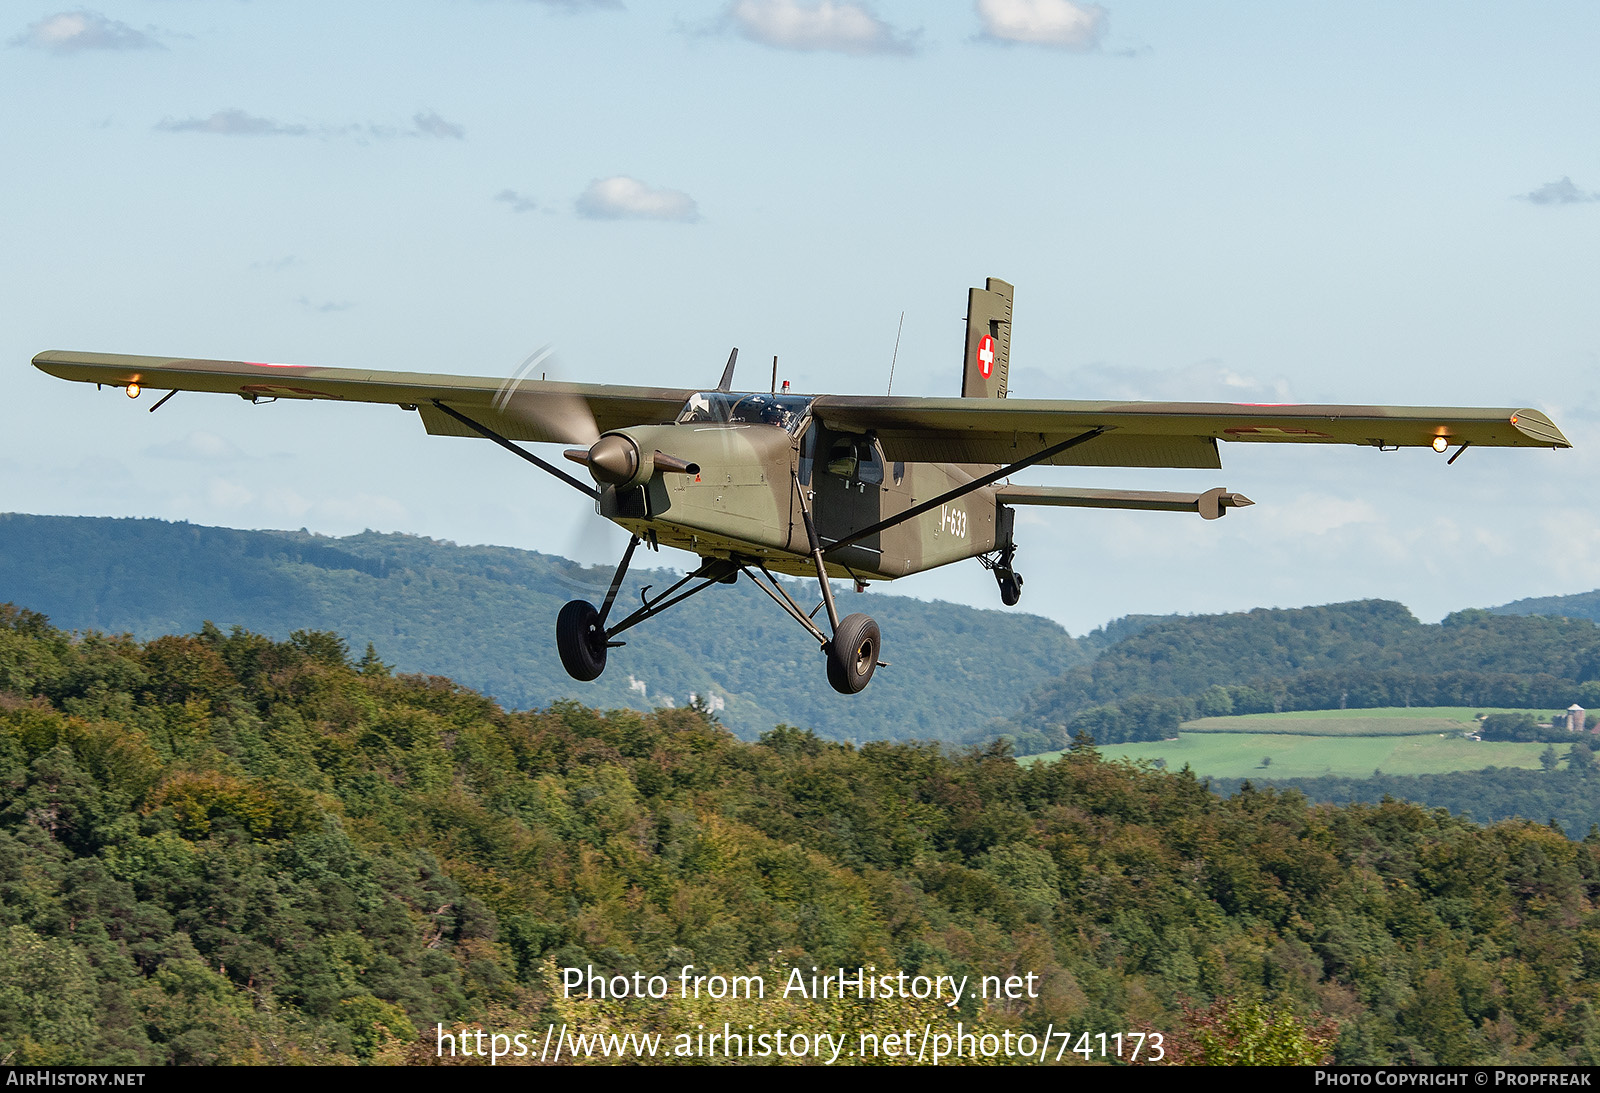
x,y
961,491
485,431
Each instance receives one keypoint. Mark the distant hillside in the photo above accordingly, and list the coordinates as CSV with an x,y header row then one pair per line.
x,y
1104,637
1562,796
486,617
1579,605
1358,655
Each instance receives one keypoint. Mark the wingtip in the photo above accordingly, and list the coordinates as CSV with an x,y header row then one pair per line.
x,y
1539,428
51,362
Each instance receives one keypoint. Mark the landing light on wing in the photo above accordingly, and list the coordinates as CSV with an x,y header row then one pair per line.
x,y
133,390
1440,443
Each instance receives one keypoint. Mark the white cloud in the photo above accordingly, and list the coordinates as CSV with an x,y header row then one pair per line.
x,y
324,306
233,123
1204,381
72,31
373,510
224,493
1559,193
520,203
429,124
1314,514
834,25
624,198
1060,24
1572,559
199,447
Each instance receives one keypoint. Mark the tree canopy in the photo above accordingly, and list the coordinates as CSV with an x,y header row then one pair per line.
x,y
221,847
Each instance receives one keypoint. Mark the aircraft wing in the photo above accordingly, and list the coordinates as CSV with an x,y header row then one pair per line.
x,y
538,410
1158,434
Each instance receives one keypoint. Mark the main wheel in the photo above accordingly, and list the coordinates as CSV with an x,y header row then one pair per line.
x,y
580,640
853,653
1010,587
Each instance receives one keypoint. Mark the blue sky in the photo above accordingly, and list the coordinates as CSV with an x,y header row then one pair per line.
x,y
1341,202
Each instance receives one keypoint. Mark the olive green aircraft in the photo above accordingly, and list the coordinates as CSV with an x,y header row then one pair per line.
x,y
860,487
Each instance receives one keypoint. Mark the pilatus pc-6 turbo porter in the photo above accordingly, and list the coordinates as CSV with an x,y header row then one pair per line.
x,y
825,486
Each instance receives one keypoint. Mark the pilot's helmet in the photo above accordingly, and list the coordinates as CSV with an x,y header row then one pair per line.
x,y
771,413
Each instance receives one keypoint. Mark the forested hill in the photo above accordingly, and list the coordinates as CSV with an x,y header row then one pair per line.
x,y
486,616
1365,654
225,849
1581,605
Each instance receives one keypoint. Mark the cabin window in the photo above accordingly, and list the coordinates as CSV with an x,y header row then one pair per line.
x,y
856,459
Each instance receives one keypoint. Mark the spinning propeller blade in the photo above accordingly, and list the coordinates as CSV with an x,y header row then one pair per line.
x,y
564,416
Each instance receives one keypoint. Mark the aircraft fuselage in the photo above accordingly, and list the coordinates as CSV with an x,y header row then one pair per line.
x,y
745,500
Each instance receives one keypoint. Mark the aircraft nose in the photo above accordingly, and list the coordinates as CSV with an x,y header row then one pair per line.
x,y
613,460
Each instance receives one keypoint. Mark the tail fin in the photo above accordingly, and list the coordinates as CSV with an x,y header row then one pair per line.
x,y
983,373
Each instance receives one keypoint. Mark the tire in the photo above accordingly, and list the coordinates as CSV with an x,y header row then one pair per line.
x,y
580,641
1011,589
853,654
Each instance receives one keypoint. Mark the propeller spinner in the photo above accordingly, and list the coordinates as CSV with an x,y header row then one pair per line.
x,y
617,460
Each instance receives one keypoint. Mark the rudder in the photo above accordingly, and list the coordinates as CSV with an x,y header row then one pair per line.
x,y
988,356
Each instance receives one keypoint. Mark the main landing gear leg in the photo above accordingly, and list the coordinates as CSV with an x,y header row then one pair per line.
x,y
853,650
582,636
581,629
1009,579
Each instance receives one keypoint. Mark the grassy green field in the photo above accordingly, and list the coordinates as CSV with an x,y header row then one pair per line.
x,y
1389,721
1349,743
1240,755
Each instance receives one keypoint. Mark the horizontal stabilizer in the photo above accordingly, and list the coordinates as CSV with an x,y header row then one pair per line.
x,y
1210,505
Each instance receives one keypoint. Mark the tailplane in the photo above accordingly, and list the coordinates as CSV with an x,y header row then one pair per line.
x,y
988,356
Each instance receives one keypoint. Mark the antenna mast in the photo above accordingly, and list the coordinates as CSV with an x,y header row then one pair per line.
x,y
896,355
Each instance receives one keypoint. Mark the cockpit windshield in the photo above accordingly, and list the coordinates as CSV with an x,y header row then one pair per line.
x,y
725,408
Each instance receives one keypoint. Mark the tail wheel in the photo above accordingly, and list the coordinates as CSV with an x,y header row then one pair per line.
x,y
580,640
853,654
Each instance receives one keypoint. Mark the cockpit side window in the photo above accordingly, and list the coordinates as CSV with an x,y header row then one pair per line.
x,y
787,412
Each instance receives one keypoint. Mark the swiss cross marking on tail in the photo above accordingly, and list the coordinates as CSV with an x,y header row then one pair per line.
x,y
986,355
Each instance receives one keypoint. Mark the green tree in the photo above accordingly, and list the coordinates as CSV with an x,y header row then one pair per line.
x,y
47,1001
1581,758
1248,1032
